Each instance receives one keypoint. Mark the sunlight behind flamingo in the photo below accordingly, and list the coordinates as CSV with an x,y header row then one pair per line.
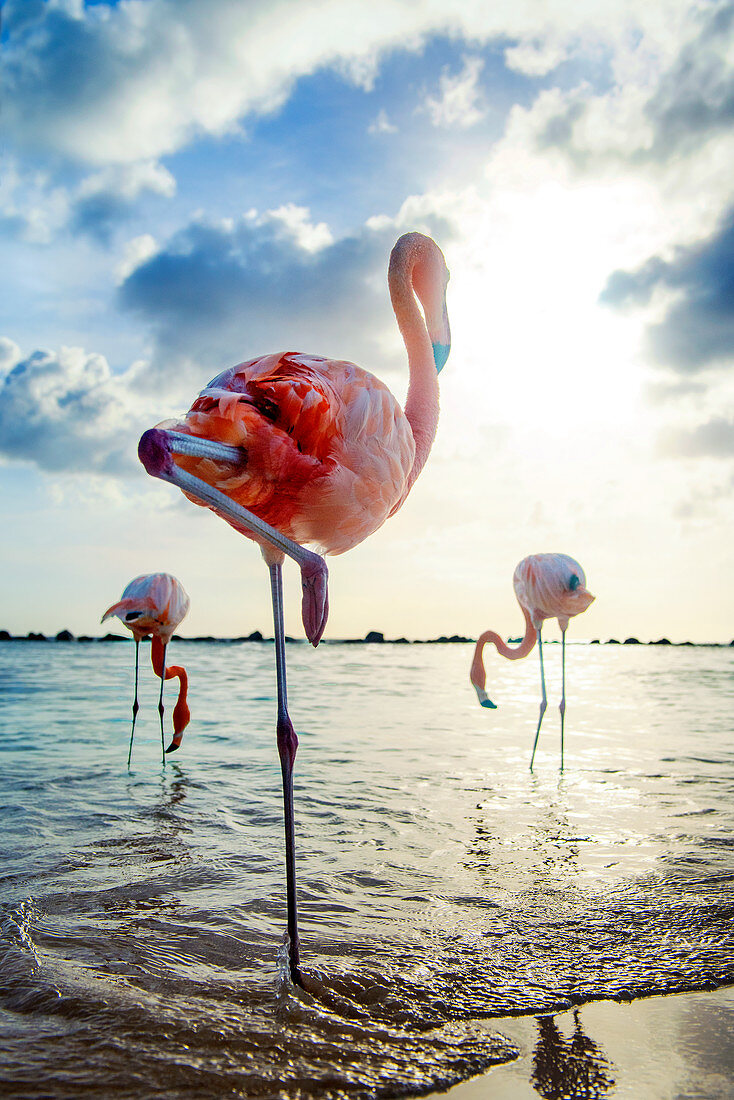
x,y
293,449
547,586
152,606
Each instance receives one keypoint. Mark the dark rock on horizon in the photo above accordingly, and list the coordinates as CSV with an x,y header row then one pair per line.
x,y
374,636
64,636
33,637
404,641
6,637
594,641
84,638
113,638
686,643
662,641
632,641
256,636
613,641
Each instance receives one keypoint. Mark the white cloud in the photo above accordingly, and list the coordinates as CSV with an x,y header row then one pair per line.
x,y
535,57
135,253
66,411
308,235
35,209
137,80
9,354
32,207
128,181
382,124
459,102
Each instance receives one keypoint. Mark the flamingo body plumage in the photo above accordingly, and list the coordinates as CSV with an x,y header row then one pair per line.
x,y
547,586
293,449
329,449
152,605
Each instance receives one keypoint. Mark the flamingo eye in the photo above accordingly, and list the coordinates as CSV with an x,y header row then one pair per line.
x,y
574,582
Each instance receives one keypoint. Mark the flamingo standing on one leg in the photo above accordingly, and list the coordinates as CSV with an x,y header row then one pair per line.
x,y
154,604
293,449
547,586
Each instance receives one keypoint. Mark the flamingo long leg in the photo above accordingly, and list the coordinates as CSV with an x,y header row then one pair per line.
x,y
161,708
198,447
287,746
155,451
543,700
562,704
136,705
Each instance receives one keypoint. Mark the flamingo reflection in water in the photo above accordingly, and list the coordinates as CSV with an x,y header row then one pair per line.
x,y
564,1068
292,449
152,606
547,586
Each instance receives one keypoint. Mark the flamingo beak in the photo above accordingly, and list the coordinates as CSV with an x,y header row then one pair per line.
x,y
440,334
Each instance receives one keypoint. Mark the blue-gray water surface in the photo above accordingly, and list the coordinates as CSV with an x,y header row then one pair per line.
x,y
441,883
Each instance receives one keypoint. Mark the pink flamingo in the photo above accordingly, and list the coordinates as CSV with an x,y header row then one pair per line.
x,y
294,449
547,586
154,604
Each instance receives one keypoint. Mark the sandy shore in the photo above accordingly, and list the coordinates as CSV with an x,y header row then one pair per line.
x,y
657,1048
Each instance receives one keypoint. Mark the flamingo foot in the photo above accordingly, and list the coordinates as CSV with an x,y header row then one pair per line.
x,y
315,604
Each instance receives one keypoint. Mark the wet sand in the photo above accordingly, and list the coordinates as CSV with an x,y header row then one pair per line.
x,y
656,1048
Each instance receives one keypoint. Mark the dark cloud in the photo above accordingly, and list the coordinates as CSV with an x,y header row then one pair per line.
x,y
698,328
66,412
17,14
107,198
692,101
216,295
695,97
715,439
99,215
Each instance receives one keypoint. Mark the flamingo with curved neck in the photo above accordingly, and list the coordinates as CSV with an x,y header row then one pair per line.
x,y
294,449
152,606
547,586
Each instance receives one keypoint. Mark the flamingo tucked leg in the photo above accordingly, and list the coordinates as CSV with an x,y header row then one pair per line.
x,y
543,700
181,713
156,450
136,705
287,747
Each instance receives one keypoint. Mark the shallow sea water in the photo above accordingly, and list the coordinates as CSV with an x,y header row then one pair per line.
x,y
441,883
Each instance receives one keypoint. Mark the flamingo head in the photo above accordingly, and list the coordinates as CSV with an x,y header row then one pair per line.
x,y
568,582
421,257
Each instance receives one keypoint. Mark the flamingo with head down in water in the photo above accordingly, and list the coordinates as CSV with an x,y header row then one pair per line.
x,y
152,606
293,449
547,586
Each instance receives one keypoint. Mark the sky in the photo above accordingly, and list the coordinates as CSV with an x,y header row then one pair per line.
x,y
186,184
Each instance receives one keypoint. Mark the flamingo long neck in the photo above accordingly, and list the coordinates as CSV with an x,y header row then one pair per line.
x,y
513,653
421,405
181,712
